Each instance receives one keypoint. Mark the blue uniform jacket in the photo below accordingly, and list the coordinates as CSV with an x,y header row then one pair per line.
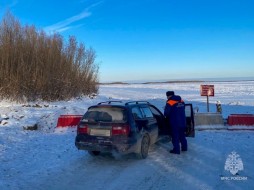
x,y
175,111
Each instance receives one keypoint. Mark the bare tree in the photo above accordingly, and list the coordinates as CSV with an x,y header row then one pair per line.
x,y
34,65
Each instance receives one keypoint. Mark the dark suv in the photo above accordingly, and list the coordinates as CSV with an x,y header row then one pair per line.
x,y
129,127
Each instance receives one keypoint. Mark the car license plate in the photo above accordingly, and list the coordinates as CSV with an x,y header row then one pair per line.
x,y
100,132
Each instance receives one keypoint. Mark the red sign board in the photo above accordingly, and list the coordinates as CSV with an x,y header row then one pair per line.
x,y
207,90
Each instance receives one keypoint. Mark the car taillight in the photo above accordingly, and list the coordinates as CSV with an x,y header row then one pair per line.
x,y
82,129
120,129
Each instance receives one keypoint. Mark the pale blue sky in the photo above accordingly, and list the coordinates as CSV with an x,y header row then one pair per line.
x,y
151,39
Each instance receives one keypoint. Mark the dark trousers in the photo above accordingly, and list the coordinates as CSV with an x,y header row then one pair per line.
x,y
178,136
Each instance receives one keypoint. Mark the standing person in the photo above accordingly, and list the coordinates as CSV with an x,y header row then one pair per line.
x,y
175,114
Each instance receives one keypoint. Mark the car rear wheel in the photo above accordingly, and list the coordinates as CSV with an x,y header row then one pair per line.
x,y
94,153
144,148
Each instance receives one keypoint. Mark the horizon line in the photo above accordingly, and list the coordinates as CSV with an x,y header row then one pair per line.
x,y
212,79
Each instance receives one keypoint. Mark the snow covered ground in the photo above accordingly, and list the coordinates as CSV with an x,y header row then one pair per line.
x,y
47,158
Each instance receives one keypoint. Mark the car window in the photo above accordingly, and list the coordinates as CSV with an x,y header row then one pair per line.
x,y
147,112
188,111
154,111
105,114
137,114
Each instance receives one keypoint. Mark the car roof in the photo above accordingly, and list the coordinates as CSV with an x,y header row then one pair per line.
x,y
122,104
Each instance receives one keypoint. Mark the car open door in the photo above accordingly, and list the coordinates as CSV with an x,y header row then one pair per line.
x,y
164,129
190,124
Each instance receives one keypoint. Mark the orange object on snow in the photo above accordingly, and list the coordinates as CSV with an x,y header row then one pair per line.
x,y
68,120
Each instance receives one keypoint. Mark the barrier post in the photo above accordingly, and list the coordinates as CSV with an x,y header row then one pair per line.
x,y
207,103
218,107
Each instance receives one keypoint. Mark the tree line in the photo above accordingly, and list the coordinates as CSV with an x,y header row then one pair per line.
x,y
35,65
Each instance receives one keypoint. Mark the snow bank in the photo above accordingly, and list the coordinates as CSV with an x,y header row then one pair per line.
x,y
47,158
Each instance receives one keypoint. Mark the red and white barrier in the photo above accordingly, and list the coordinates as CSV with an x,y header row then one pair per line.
x,y
68,120
237,120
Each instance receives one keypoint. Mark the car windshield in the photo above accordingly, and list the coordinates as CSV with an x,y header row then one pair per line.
x,y
105,114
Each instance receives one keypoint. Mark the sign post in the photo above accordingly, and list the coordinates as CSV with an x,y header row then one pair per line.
x,y
207,90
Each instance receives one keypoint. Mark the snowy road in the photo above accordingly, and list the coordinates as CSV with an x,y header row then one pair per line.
x,y
51,161
47,159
